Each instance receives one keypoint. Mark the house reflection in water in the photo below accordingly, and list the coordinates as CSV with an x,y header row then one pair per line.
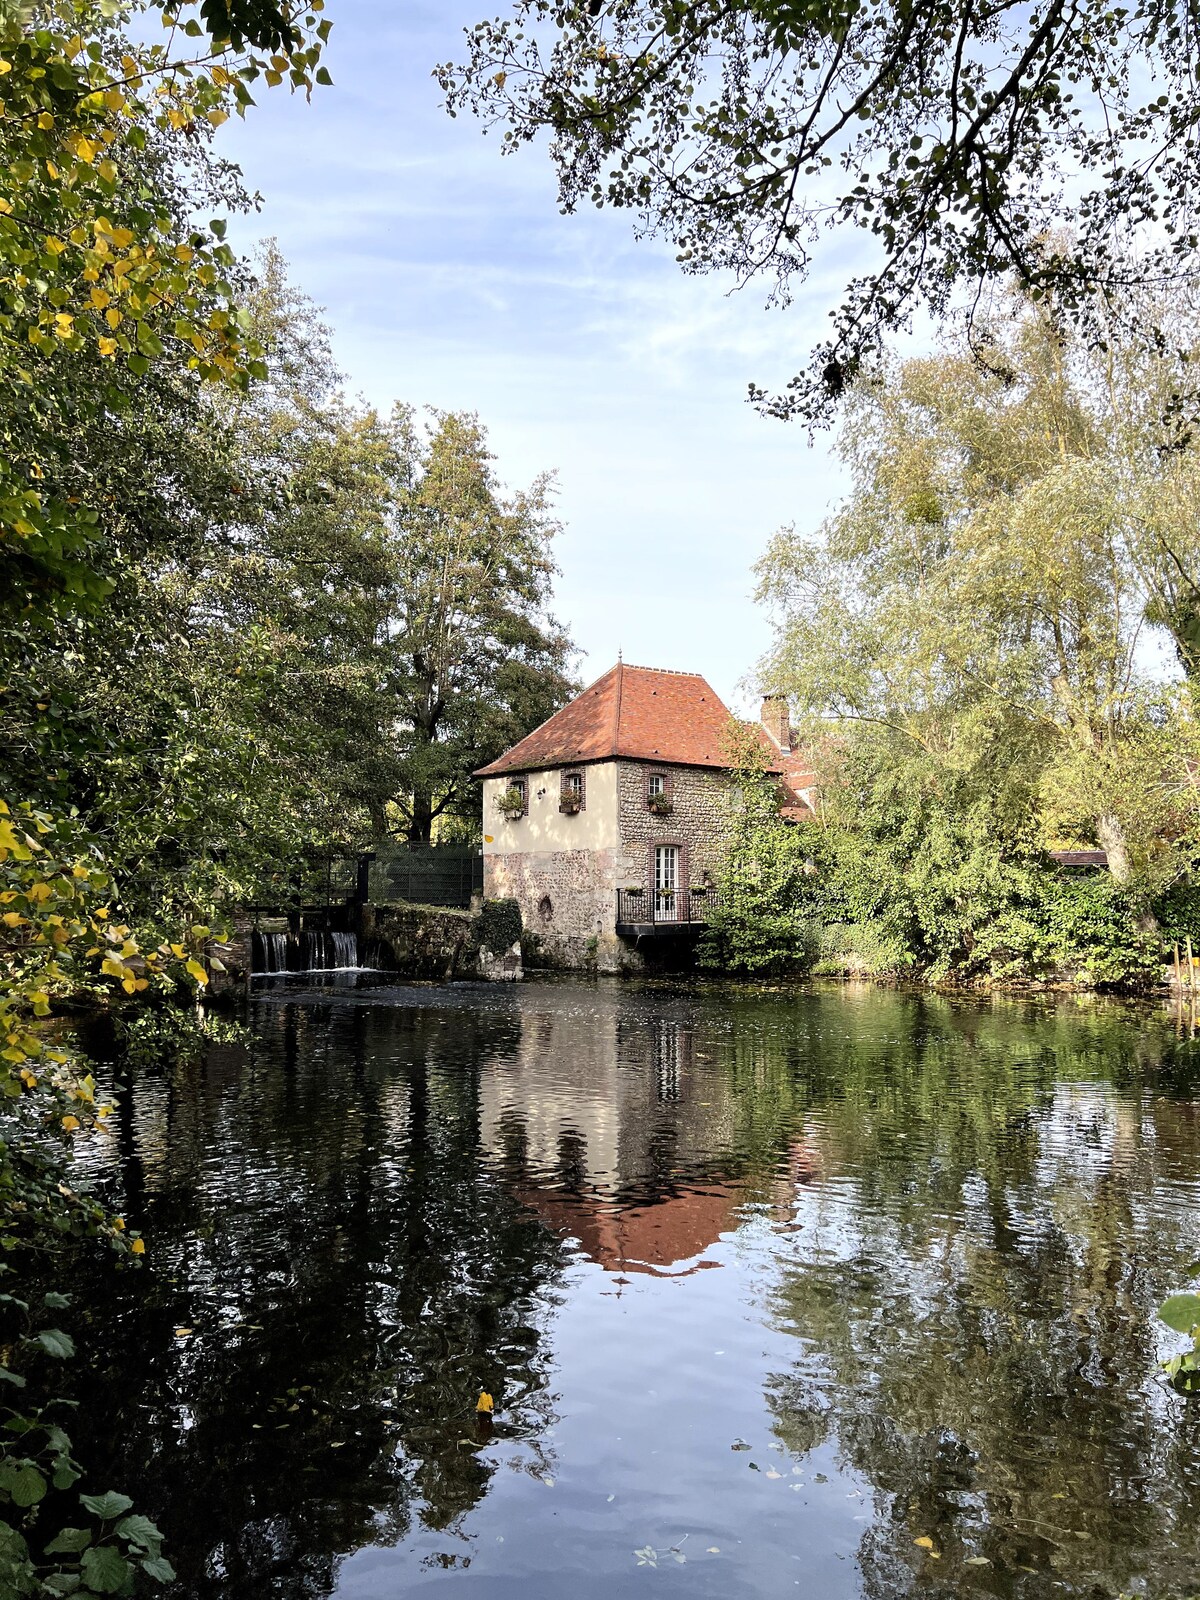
x,y
625,1136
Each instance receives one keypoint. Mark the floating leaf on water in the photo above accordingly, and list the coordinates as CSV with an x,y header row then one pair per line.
x,y
754,1466
1181,1312
739,1444
182,1333
713,1550
820,1478
647,1556
977,1561
549,1482
611,1498
924,1542
771,1473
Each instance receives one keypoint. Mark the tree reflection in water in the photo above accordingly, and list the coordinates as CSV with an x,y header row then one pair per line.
x,y
948,1224
979,1289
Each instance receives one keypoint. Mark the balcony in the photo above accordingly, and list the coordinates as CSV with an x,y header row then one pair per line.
x,y
662,911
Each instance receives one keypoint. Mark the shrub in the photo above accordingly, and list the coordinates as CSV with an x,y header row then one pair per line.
x,y
500,925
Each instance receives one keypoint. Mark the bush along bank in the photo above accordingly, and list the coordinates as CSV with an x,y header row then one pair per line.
x,y
938,900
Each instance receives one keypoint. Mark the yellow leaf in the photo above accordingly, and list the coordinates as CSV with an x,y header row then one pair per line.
x,y
924,1542
106,347
112,967
113,317
177,950
138,1247
129,985
100,298
70,1124
119,1224
485,1403
197,971
13,919
38,892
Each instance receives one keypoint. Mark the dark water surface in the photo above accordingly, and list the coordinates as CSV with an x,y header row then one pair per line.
x,y
768,1287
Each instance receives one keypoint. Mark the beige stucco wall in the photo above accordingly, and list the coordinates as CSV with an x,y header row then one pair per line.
x,y
544,828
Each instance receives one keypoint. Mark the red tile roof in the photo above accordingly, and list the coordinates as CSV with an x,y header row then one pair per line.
x,y
639,712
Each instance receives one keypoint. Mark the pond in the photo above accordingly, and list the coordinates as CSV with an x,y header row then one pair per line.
x,y
836,1293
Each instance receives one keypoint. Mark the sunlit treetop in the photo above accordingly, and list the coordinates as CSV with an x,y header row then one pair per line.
x,y
105,113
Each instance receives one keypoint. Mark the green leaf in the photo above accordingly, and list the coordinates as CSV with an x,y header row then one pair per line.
x,y
105,1570
1181,1312
69,1542
56,1343
12,1377
64,1583
159,1568
26,1485
56,1302
107,1505
139,1530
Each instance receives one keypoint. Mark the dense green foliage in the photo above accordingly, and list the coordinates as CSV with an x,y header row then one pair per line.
x,y
500,925
990,653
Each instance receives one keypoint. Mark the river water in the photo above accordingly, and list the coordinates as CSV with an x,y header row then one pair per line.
x,y
835,1294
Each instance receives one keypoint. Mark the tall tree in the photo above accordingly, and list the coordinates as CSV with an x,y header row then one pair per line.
x,y
956,137
478,659
992,569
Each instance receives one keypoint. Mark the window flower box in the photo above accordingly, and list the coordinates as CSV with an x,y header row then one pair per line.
x,y
571,804
512,802
659,805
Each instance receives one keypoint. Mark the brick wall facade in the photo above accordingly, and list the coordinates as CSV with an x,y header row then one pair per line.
x,y
696,823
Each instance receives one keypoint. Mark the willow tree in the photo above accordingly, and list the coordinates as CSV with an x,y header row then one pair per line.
x,y
999,563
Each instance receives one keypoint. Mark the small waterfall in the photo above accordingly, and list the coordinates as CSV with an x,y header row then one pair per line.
x,y
312,950
272,952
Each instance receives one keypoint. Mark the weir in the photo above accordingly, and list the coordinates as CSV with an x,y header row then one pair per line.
x,y
307,950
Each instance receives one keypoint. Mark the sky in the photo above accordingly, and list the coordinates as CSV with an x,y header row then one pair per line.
x,y
450,279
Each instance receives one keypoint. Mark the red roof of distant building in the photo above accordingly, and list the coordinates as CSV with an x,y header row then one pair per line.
x,y
640,712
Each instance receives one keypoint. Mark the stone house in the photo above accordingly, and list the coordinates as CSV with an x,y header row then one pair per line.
x,y
606,823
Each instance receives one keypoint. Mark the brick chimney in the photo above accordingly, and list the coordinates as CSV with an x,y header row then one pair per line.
x,y
777,720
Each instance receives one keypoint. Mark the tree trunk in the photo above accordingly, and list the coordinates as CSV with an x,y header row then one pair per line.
x,y
420,827
1112,840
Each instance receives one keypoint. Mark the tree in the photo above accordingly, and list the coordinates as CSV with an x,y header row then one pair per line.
x,y
401,592
762,917
477,661
986,583
956,137
111,297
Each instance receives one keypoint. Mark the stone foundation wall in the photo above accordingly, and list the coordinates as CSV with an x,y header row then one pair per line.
x,y
568,904
426,941
697,821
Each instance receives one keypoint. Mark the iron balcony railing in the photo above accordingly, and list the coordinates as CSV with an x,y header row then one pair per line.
x,y
663,908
